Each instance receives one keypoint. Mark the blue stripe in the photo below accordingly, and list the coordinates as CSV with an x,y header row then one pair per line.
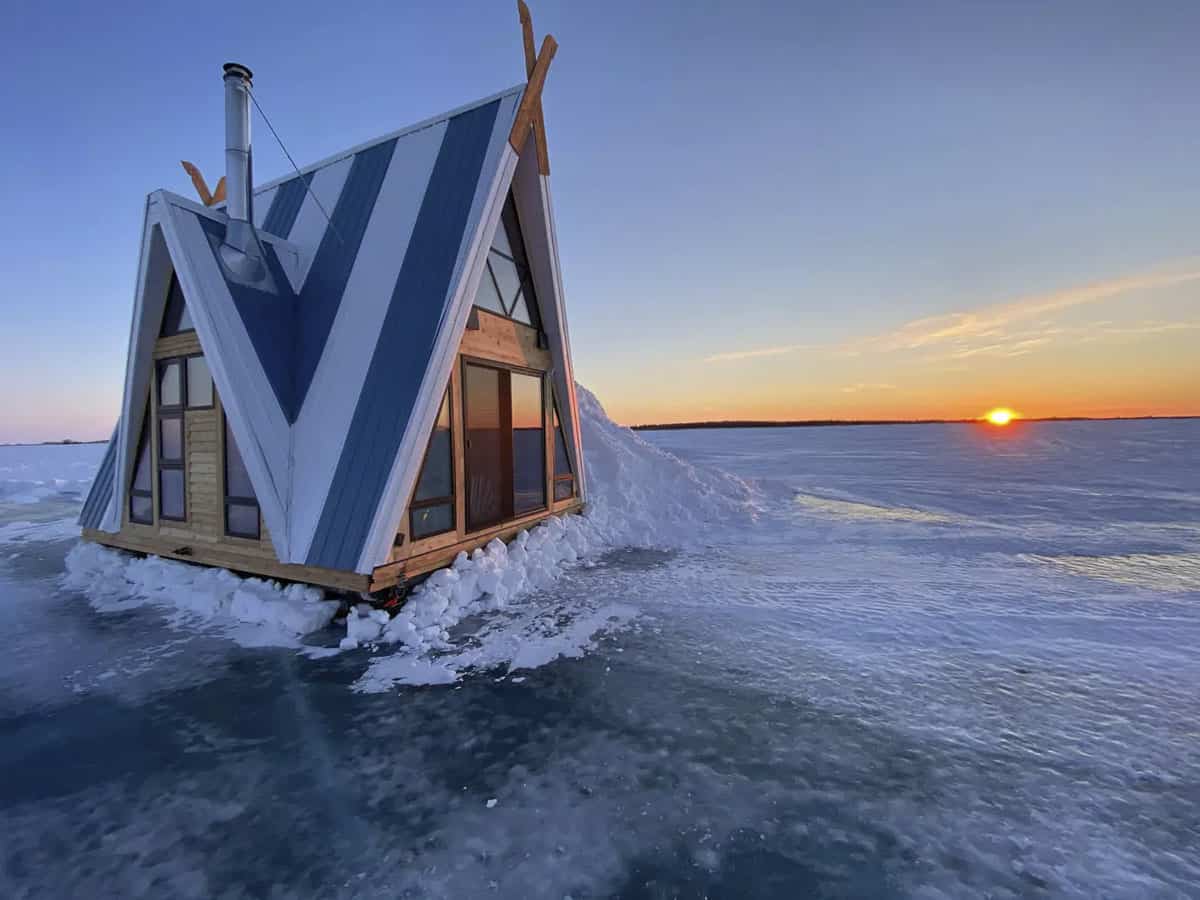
x,y
289,331
327,277
92,514
285,206
268,318
405,342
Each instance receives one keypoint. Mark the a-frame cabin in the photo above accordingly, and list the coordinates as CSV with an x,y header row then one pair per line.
x,y
347,376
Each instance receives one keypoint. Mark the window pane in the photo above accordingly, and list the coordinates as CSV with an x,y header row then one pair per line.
x,y
507,279
520,312
529,448
199,382
565,489
486,297
141,509
562,462
169,385
170,440
437,478
432,520
501,242
176,317
141,472
241,519
513,232
170,493
237,479
486,459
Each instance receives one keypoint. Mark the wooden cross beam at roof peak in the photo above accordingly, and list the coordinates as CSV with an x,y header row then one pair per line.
x,y
529,112
202,186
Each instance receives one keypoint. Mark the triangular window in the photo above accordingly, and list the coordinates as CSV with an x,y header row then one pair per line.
x,y
564,476
432,508
507,285
176,319
141,492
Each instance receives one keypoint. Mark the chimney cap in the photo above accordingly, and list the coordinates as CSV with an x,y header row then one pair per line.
x,y
237,70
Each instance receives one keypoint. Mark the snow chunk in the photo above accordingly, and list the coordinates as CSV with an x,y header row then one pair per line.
x,y
255,612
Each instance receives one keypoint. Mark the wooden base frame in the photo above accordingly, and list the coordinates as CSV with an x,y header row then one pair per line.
x,y
383,578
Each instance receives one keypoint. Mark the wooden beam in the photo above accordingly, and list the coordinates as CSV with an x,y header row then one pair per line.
x,y
207,198
227,557
527,36
531,101
539,121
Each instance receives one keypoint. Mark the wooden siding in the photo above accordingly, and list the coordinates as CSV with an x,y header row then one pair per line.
x,y
504,341
185,344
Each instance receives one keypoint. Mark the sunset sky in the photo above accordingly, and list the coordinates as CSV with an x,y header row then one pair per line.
x,y
765,210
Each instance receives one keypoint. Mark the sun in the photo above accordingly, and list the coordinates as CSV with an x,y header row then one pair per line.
x,y
1000,416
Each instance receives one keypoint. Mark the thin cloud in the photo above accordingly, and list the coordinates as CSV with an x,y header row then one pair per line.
x,y
762,351
964,330
993,320
1008,348
867,388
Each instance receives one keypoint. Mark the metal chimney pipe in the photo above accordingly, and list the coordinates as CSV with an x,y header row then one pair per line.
x,y
241,250
237,141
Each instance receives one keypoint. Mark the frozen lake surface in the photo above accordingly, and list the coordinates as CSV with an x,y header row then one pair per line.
x,y
940,661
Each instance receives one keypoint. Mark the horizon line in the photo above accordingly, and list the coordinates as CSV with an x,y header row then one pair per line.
x,y
834,423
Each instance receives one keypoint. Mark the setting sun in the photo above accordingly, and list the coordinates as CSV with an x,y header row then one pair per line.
x,y
1000,416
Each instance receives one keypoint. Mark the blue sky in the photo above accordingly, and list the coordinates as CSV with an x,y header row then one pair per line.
x,y
764,208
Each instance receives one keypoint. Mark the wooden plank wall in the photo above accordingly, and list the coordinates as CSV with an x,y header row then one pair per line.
x,y
203,531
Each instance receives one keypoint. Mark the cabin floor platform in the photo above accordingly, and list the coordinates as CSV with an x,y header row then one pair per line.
x,y
382,579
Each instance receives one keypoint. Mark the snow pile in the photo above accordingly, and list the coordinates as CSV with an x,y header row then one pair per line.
x,y
641,496
275,614
638,496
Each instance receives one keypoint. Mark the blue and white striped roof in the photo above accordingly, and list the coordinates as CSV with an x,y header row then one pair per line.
x,y
331,377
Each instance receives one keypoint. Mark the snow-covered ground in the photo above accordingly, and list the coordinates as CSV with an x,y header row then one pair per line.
x,y
937,661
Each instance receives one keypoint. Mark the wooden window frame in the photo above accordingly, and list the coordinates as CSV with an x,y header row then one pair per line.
x,y
449,500
173,411
228,499
507,486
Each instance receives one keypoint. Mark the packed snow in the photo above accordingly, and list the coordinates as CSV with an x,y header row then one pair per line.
x,y
258,612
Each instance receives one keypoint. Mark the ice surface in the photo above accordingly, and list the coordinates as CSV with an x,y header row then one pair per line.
x,y
36,472
52,530
826,701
